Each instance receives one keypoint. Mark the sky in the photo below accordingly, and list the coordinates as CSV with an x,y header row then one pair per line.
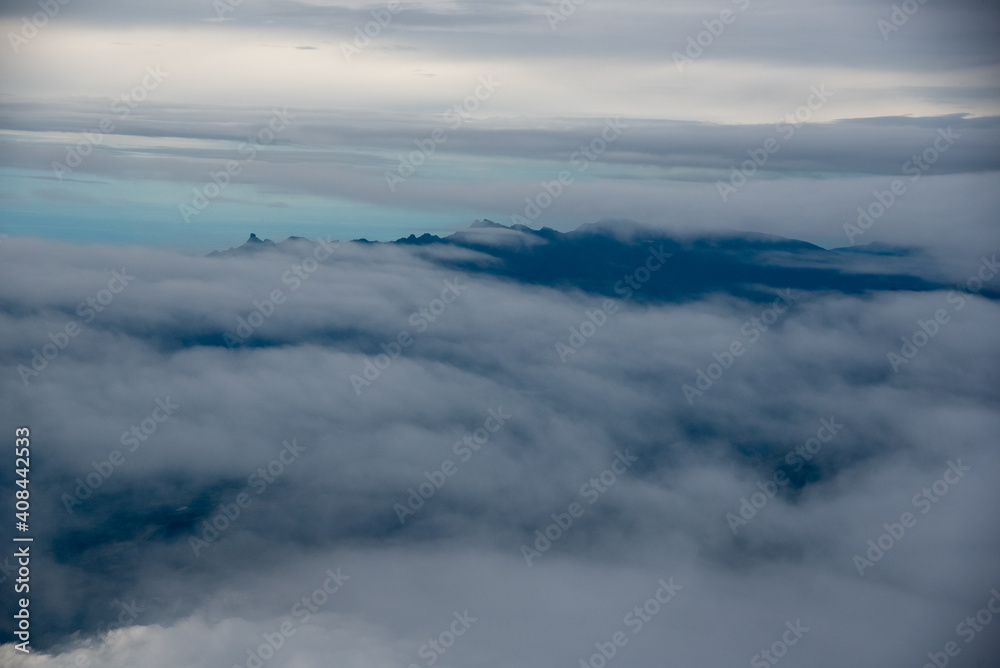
x,y
736,406
182,88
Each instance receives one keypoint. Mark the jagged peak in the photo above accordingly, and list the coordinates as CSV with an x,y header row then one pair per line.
x,y
486,222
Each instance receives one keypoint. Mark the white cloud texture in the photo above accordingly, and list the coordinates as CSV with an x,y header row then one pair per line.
x,y
332,505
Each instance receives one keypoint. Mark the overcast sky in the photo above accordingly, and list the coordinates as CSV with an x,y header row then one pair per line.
x,y
696,86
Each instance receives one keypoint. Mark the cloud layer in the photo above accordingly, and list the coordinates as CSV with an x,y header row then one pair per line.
x,y
316,465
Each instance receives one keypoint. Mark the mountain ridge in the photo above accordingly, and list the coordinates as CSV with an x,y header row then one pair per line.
x,y
597,257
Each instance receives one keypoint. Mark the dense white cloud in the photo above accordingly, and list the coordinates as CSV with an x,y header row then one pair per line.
x,y
333,505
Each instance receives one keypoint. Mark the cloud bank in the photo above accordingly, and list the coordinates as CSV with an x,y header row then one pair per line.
x,y
484,497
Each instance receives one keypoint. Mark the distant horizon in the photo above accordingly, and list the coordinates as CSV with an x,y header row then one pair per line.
x,y
228,236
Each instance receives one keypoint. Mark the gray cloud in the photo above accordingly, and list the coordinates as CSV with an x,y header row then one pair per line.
x,y
493,347
941,36
851,146
810,188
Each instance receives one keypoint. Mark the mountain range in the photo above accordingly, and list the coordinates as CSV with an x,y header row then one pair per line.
x,y
595,258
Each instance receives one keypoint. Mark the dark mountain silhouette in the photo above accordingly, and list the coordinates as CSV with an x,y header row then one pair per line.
x,y
596,258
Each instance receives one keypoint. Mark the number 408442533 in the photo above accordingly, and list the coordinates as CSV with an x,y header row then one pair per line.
x,y
22,464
